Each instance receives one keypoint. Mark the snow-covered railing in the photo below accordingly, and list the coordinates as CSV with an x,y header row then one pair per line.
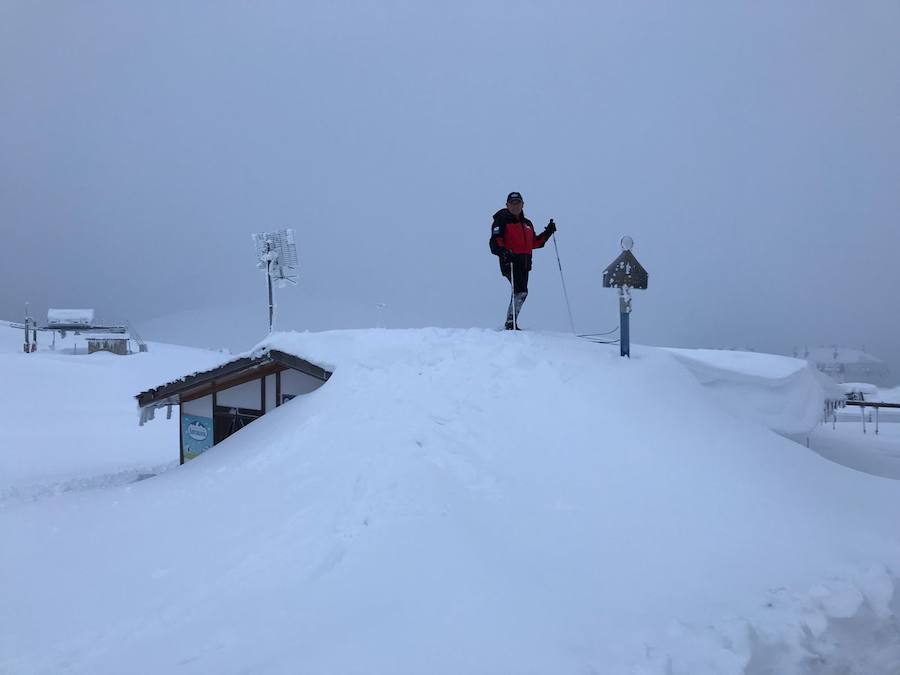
x,y
142,346
871,404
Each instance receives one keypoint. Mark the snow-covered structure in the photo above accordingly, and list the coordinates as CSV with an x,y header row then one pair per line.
x,y
860,391
844,364
113,338
70,318
115,343
214,404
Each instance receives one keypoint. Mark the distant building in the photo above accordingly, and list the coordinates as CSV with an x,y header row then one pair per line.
x,y
103,337
216,403
843,364
116,343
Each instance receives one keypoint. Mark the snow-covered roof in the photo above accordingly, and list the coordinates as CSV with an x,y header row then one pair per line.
x,y
69,317
862,387
168,393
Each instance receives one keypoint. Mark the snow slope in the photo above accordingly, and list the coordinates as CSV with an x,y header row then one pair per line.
x,y
845,443
467,501
68,420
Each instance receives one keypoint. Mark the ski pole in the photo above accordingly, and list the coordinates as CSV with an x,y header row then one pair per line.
x,y
563,279
512,297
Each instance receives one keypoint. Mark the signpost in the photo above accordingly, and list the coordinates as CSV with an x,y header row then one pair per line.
x,y
625,273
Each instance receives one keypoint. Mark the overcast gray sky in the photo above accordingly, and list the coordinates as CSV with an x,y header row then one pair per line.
x,y
751,149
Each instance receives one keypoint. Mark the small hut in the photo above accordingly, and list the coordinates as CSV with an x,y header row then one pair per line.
x,y
115,343
215,404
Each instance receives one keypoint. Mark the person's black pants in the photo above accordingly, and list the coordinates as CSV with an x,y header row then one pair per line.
x,y
518,276
520,273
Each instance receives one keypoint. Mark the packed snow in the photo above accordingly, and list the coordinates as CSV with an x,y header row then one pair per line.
x,y
459,501
68,418
847,444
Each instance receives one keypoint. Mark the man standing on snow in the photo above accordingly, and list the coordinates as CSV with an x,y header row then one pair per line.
x,y
512,241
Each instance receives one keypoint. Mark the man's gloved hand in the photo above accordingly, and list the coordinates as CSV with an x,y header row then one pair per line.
x,y
551,228
505,257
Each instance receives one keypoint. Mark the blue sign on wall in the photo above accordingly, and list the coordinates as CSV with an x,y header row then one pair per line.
x,y
196,435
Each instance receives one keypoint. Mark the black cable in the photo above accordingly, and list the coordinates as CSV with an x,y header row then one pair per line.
x,y
600,342
609,332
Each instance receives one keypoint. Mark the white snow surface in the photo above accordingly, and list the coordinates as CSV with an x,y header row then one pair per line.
x,y
845,443
889,395
68,421
784,394
469,501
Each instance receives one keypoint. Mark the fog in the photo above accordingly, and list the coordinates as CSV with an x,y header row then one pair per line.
x,y
752,150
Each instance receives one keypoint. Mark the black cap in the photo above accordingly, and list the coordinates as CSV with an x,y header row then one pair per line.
x,y
514,197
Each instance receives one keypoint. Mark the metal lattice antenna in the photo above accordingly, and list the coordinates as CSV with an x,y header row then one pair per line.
x,y
276,252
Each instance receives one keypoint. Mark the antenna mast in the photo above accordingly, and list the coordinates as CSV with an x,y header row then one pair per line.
x,y
276,253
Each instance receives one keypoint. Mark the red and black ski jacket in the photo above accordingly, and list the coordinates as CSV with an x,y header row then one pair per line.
x,y
516,235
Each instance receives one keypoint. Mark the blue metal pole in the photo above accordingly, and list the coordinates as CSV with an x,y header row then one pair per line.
x,y
624,312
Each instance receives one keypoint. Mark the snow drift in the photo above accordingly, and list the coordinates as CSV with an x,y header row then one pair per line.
x,y
784,394
465,501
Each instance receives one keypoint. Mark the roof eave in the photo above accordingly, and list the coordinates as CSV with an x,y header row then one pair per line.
x,y
170,393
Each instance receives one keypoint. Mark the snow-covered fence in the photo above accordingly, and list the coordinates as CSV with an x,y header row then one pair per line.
x,y
862,405
142,346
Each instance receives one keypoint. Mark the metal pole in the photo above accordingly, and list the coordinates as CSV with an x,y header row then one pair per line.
x,y
563,279
25,346
862,411
876,419
512,283
624,313
269,283
271,302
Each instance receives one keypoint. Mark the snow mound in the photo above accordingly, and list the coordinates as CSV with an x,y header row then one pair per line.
x,y
784,394
467,501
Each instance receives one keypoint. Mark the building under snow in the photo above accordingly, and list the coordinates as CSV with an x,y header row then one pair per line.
x,y
214,404
843,364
